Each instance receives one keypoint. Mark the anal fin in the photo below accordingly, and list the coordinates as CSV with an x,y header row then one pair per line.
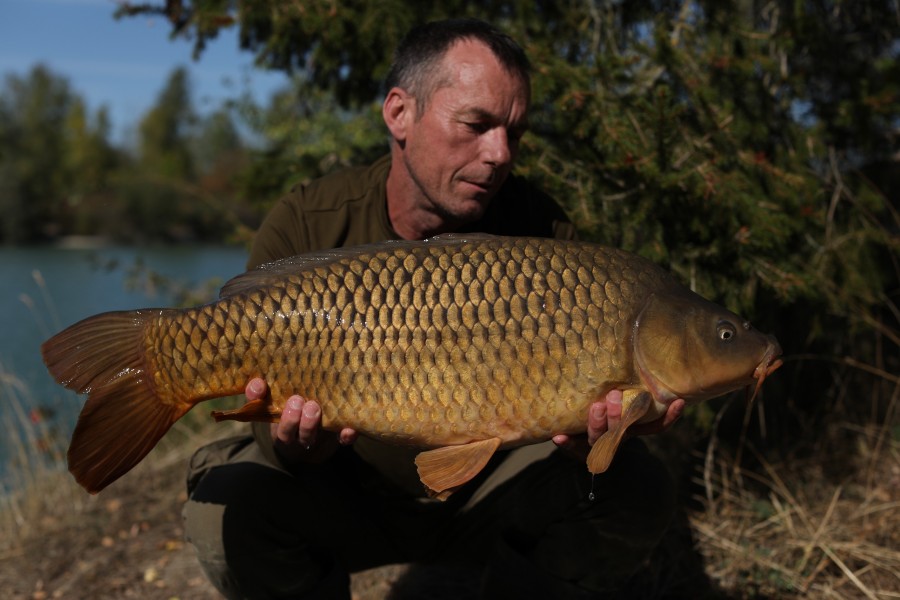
x,y
254,410
443,470
604,449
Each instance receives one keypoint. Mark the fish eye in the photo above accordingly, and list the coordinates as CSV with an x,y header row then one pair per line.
x,y
726,331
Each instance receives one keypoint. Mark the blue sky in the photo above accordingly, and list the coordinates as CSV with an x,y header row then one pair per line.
x,y
122,64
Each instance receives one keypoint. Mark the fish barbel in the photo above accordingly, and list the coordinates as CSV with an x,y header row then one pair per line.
x,y
459,345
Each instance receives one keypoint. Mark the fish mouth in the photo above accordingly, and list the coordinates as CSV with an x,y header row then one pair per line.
x,y
770,363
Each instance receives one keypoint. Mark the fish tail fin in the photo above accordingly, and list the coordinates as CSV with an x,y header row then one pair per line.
x,y
123,417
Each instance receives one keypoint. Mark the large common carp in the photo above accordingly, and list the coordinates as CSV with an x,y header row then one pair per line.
x,y
459,345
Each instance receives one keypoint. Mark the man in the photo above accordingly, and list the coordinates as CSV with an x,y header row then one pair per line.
x,y
290,512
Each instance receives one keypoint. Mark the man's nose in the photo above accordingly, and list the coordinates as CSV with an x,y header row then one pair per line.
x,y
496,149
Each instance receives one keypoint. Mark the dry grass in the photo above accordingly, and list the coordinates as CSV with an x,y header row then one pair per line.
x,y
35,452
791,529
56,541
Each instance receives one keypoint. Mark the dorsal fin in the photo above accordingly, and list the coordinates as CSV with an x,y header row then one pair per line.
x,y
276,270
460,238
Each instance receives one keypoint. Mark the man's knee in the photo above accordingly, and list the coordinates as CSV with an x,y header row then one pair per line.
x,y
204,515
203,530
235,519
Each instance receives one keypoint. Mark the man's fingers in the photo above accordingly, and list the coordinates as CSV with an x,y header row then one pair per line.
x,y
347,436
606,414
597,422
564,441
286,430
256,389
297,438
575,446
673,413
613,409
310,418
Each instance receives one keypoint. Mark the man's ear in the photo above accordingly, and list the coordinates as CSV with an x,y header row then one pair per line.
x,y
399,111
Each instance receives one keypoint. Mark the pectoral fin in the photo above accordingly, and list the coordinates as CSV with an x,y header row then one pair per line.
x,y
604,449
445,469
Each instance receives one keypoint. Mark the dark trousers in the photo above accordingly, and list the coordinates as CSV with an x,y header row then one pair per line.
x,y
527,522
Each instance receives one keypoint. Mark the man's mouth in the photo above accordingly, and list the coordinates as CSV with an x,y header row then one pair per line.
x,y
482,186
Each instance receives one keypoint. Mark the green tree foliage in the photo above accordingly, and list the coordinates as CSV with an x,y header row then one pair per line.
x,y
61,175
93,162
164,130
745,145
307,135
343,48
157,190
33,112
222,159
214,156
185,184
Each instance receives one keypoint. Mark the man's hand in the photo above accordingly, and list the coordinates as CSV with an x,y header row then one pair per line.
x,y
605,414
297,436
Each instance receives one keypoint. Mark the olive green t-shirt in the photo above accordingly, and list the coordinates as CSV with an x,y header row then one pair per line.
x,y
349,208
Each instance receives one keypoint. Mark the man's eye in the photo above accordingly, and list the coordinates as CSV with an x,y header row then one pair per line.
x,y
478,127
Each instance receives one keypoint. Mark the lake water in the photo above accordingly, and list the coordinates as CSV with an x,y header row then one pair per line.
x,y
44,290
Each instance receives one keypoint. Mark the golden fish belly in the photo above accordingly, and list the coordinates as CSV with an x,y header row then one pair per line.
x,y
425,345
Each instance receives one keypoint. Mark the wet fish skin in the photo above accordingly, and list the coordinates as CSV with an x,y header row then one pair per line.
x,y
420,345
436,344
399,342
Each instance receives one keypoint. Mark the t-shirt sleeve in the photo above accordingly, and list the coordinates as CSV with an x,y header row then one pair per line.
x,y
283,233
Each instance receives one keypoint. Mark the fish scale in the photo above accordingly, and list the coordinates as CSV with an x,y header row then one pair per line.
x,y
470,343
442,328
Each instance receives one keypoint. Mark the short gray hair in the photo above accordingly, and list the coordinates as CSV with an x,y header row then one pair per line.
x,y
418,55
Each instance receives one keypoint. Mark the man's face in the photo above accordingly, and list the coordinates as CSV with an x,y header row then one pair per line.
x,y
460,149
